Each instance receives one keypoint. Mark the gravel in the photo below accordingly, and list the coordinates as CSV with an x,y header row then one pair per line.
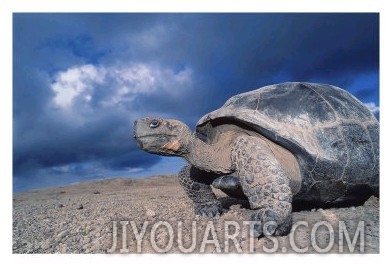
x,y
81,218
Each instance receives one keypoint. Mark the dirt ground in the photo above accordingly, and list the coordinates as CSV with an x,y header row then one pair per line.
x,y
153,215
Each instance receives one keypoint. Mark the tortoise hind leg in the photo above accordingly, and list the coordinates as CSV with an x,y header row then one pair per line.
x,y
196,184
265,183
231,185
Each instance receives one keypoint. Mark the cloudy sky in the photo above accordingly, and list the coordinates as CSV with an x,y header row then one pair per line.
x,y
80,80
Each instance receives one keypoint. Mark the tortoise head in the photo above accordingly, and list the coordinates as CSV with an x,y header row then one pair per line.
x,y
162,136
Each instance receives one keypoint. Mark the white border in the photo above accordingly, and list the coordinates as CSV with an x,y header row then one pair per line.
x,y
194,6
205,263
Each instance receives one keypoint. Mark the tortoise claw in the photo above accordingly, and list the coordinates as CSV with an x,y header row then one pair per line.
x,y
208,210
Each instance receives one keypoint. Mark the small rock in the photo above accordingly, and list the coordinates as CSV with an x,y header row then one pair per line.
x,y
62,248
80,206
61,205
235,207
45,245
150,213
29,248
372,202
313,210
96,192
62,234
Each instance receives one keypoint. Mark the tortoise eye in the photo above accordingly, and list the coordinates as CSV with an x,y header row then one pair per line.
x,y
154,124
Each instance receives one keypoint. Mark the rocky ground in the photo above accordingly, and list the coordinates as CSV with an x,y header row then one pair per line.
x,y
153,215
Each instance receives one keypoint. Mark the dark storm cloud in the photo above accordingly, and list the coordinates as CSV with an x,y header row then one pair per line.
x,y
80,80
252,43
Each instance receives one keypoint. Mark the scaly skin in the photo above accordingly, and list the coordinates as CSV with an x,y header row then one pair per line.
x,y
196,184
264,182
236,159
262,179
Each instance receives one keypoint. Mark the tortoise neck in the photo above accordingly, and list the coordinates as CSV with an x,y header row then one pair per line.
x,y
214,157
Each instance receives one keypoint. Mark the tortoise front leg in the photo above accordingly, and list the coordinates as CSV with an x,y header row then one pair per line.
x,y
266,185
196,184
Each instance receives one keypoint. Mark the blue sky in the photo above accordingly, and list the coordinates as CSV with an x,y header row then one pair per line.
x,y
80,80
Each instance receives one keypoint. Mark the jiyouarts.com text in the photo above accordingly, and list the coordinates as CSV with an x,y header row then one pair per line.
x,y
163,237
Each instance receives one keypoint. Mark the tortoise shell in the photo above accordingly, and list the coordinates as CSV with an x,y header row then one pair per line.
x,y
333,135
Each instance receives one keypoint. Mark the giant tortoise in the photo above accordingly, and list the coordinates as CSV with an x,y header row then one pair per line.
x,y
292,141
